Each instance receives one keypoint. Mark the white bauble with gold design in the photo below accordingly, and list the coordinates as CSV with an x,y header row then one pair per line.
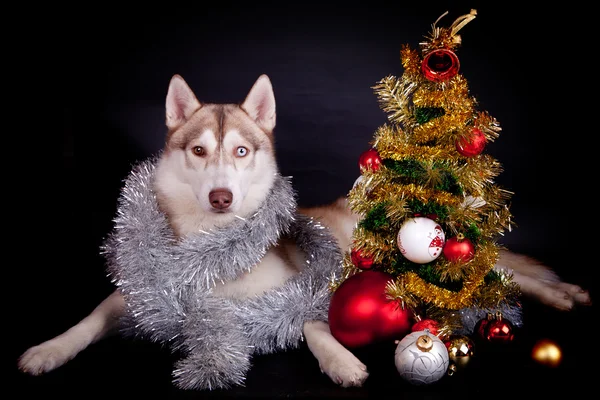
x,y
421,358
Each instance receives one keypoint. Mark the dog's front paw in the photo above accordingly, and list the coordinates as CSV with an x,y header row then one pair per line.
x,y
565,296
344,368
44,358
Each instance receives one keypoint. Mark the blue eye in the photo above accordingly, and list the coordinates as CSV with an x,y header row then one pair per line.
x,y
241,151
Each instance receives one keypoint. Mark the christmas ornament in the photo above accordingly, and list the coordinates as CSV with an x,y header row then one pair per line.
x,y
370,159
481,326
360,260
423,324
421,358
473,145
440,65
358,180
499,330
360,313
459,248
460,351
547,352
421,240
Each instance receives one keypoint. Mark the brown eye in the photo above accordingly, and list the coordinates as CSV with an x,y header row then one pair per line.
x,y
198,150
241,151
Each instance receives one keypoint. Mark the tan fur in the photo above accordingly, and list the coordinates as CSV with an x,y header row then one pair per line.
x,y
181,183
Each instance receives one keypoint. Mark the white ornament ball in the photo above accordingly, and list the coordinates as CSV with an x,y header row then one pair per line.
x,y
421,358
357,181
421,240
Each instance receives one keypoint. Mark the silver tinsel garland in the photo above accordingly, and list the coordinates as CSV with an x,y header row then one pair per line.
x,y
167,283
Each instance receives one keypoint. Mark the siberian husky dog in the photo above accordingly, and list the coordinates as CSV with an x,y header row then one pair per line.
x,y
217,164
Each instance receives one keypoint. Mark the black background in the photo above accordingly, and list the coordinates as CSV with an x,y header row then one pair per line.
x,y
108,69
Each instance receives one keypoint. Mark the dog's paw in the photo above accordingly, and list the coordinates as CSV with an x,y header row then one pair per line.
x,y
44,358
565,296
344,369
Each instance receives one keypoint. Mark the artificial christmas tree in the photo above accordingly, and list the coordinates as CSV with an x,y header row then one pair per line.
x,y
430,211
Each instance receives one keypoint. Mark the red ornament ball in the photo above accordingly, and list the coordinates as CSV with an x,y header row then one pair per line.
x,y
360,260
472,145
360,314
499,330
370,159
423,324
440,65
481,326
459,248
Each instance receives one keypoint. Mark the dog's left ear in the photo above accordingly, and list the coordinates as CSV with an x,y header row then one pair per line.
x,y
260,103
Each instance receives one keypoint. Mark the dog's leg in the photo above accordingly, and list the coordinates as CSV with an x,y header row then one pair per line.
x,y
541,283
334,359
55,352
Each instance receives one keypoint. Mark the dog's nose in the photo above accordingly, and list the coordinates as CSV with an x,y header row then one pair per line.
x,y
220,198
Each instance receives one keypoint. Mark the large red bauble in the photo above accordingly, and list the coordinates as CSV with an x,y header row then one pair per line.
x,y
360,313
369,159
459,248
472,145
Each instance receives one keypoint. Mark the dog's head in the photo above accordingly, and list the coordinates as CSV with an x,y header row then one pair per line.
x,y
219,159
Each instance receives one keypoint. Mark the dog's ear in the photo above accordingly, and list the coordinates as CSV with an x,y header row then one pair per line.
x,y
260,103
181,102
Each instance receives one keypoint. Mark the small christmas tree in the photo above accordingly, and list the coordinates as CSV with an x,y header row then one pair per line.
x,y
430,212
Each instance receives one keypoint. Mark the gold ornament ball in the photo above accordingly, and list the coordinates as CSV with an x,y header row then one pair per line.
x,y
460,351
547,352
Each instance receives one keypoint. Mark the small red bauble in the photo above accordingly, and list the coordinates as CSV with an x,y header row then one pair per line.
x,y
360,260
423,324
459,248
499,330
481,326
440,65
473,145
360,313
369,159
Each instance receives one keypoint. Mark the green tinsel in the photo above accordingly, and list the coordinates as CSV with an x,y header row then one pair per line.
x,y
426,114
424,209
416,173
376,219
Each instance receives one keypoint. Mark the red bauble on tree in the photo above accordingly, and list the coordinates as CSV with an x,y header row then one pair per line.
x,y
440,65
481,326
499,330
426,323
473,144
459,248
360,314
360,260
370,159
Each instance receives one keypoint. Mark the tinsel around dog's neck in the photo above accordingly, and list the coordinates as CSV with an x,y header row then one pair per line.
x,y
199,259
167,283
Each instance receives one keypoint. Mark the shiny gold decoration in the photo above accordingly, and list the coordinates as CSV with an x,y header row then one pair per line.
x,y
447,37
547,352
424,343
461,349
